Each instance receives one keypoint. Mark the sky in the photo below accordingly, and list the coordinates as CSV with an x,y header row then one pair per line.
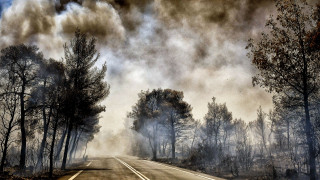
x,y
197,47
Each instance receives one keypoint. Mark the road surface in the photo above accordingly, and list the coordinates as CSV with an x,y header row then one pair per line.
x,y
132,168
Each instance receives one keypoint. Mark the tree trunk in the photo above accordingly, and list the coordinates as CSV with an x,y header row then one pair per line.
x,y
159,147
155,142
23,130
173,139
308,125
310,140
288,134
52,146
76,147
7,136
85,151
73,141
44,139
216,140
45,129
173,145
164,147
60,145
65,155
5,148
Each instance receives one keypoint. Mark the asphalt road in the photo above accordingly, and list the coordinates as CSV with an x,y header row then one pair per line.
x,y
131,168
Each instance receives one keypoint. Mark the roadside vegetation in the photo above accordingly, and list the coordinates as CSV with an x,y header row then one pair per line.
x,y
49,109
282,143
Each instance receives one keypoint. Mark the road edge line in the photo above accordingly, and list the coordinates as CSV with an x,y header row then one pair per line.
x,y
176,168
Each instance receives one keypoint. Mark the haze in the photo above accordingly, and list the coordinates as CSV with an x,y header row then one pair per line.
x,y
197,48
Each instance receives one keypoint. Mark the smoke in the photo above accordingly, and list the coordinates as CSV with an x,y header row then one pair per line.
x,y
234,18
196,46
25,19
95,18
39,22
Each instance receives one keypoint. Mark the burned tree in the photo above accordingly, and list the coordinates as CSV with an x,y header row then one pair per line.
x,y
260,128
288,63
244,150
178,116
85,84
165,110
55,98
147,115
22,63
216,126
9,105
43,100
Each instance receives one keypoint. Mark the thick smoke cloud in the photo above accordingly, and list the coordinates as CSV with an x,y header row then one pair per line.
x,y
196,46
96,18
234,17
39,22
25,19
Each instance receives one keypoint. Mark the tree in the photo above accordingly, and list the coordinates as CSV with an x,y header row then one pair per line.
x,y
288,63
22,62
261,128
55,94
8,115
243,144
43,99
147,117
217,125
85,84
161,109
178,116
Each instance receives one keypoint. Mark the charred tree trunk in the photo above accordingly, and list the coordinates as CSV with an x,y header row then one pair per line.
x,y
173,139
155,142
159,147
76,146
52,146
4,153
288,135
65,155
44,138
60,144
73,141
7,136
5,146
310,140
308,126
45,130
22,128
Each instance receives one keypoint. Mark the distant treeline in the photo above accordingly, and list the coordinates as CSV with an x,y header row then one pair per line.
x,y
49,109
283,142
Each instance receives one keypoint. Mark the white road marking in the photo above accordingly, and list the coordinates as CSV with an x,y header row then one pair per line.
x,y
89,164
74,176
182,170
79,172
140,175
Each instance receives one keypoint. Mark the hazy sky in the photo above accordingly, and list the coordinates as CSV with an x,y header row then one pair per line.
x,y
197,47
